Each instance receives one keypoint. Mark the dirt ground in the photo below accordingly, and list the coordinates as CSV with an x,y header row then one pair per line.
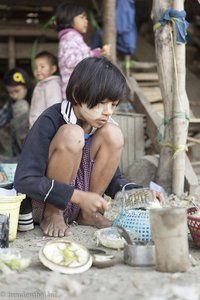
x,y
117,282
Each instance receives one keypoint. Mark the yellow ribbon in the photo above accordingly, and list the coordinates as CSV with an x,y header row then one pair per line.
x,y
156,26
176,148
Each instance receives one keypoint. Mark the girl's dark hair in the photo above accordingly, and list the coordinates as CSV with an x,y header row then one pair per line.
x,y
94,80
49,56
65,14
18,76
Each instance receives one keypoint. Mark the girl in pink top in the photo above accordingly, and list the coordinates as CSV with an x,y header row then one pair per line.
x,y
72,23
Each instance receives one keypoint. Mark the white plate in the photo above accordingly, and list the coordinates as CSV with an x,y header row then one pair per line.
x,y
51,256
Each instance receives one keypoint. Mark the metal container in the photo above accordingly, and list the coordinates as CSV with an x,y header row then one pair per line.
x,y
139,255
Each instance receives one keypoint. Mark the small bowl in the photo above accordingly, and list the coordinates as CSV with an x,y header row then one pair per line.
x,y
110,238
137,255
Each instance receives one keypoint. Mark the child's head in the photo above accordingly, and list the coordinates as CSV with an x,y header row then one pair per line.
x,y
70,15
17,83
94,81
45,65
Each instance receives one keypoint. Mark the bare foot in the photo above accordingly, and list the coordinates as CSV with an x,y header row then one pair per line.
x,y
53,223
95,219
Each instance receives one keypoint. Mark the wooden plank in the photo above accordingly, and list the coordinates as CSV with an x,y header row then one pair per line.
x,y
145,76
23,50
148,84
140,65
152,93
138,134
195,120
11,52
158,107
33,3
132,126
37,4
143,106
27,30
193,140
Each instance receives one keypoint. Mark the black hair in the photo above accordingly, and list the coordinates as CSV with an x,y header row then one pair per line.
x,y
18,76
65,14
49,56
95,79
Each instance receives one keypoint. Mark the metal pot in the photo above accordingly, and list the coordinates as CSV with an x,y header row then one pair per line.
x,y
139,255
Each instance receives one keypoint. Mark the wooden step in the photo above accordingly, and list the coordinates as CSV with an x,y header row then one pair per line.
x,y
145,76
152,93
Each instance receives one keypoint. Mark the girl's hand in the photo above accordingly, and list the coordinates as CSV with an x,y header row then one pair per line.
x,y
3,177
89,202
105,51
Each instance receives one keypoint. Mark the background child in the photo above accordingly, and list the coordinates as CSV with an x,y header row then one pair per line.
x,y
16,110
72,24
48,89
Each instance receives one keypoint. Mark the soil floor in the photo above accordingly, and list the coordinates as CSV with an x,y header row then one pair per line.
x,y
117,282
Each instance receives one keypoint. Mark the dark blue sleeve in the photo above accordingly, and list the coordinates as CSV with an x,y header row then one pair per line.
x,y
30,177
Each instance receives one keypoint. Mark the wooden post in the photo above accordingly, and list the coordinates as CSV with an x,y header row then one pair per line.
x,y
11,52
164,58
181,112
171,70
109,27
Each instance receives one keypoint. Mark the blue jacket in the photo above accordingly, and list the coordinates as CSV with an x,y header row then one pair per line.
x,y
125,26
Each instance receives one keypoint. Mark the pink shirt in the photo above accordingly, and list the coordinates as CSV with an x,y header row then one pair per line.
x,y
71,50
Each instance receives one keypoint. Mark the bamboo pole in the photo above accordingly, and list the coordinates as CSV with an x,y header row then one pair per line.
x,y
171,70
164,59
180,111
109,27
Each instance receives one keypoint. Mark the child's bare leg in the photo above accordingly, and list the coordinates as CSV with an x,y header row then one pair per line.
x,y
65,154
106,150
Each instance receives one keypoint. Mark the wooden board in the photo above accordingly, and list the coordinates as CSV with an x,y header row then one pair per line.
x,y
23,50
152,93
132,126
145,76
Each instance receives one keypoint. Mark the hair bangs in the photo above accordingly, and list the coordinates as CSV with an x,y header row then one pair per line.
x,y
95,80
110,85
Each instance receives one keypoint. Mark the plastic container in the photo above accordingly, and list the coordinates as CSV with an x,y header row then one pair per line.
x,y
170,235
9,205
9,169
